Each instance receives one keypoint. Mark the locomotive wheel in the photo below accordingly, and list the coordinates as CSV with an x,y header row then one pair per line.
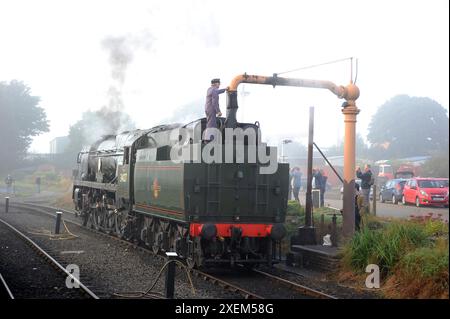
x,y
156,233
93,219
198,258
101,219
190,262
85,215
109,222
120,223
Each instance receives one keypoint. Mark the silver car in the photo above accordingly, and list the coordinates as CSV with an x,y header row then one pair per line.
x,y
357,181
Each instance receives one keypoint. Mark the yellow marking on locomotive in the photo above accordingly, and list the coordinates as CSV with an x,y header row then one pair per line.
x,y
156,188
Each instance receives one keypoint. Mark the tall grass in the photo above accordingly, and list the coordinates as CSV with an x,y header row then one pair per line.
x,y
383,246
410,254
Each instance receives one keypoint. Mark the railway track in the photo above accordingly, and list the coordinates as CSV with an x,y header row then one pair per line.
x,y
49,260
295,286
5,292
225,283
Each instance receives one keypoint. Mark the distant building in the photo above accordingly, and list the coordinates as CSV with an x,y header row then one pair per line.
x,y
59,144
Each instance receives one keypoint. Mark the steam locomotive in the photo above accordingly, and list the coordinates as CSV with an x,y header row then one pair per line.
x,y
209,213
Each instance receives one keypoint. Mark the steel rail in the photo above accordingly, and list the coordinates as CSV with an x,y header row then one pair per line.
x,y
49,258
5,285
202,275
295,286
205,276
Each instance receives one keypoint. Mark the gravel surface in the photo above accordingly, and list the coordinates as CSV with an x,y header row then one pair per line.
x,y
318,281
150,266
29,275
257,284
108,267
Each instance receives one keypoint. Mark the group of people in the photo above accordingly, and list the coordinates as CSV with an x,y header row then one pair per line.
x,y
9,182
319,182
362,192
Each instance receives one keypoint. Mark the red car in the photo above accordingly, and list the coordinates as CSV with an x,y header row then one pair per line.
x,y
443,181
425,191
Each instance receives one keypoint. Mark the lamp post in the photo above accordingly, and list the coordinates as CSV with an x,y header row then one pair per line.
x,y
282,149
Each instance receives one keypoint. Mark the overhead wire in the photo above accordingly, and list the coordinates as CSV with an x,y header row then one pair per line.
x,y
315,65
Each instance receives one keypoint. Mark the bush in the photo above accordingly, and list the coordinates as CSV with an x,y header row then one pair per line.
x,y
384,245
361,249
411,255
425,263
436,228
295,209
422,273
398,238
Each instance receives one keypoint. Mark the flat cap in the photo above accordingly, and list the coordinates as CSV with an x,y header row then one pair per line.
x,y
215,81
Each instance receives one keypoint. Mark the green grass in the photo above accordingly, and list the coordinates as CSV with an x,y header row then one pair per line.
x,y
384,245
25,181
410,253
425,262
295,217
295,210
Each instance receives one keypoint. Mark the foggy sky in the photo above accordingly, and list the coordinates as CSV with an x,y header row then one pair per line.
x,y
58,48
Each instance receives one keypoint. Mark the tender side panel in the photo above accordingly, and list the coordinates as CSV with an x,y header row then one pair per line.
x,y
158,186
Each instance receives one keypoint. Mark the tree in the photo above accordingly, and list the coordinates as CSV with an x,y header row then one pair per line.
x,y
437,165
362,149
407,126
21,118
293,150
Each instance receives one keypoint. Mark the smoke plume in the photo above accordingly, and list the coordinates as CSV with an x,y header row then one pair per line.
x,y
121,50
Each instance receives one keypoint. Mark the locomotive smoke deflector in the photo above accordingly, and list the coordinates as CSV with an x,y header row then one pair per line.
x,y
350,92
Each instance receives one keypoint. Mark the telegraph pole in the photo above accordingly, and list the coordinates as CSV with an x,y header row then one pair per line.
x,y
308,206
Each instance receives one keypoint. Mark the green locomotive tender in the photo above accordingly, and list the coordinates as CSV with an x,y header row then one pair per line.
x,y
208,213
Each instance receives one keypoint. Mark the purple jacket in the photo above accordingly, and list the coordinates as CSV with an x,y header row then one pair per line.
x,y
212,100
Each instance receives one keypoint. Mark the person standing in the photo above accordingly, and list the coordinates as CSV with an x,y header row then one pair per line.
x,y
212,109
38,184
323,187
318,182
358,205
366,183
8,181
296,179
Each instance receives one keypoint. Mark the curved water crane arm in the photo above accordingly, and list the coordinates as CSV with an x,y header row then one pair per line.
x,y
349,92
275,80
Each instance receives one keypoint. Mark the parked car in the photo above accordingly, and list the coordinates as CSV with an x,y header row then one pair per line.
x,y
393,190
404,174
425,191
357,181
443,181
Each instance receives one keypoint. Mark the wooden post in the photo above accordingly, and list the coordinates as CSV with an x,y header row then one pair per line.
x,y
374,197
308,206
